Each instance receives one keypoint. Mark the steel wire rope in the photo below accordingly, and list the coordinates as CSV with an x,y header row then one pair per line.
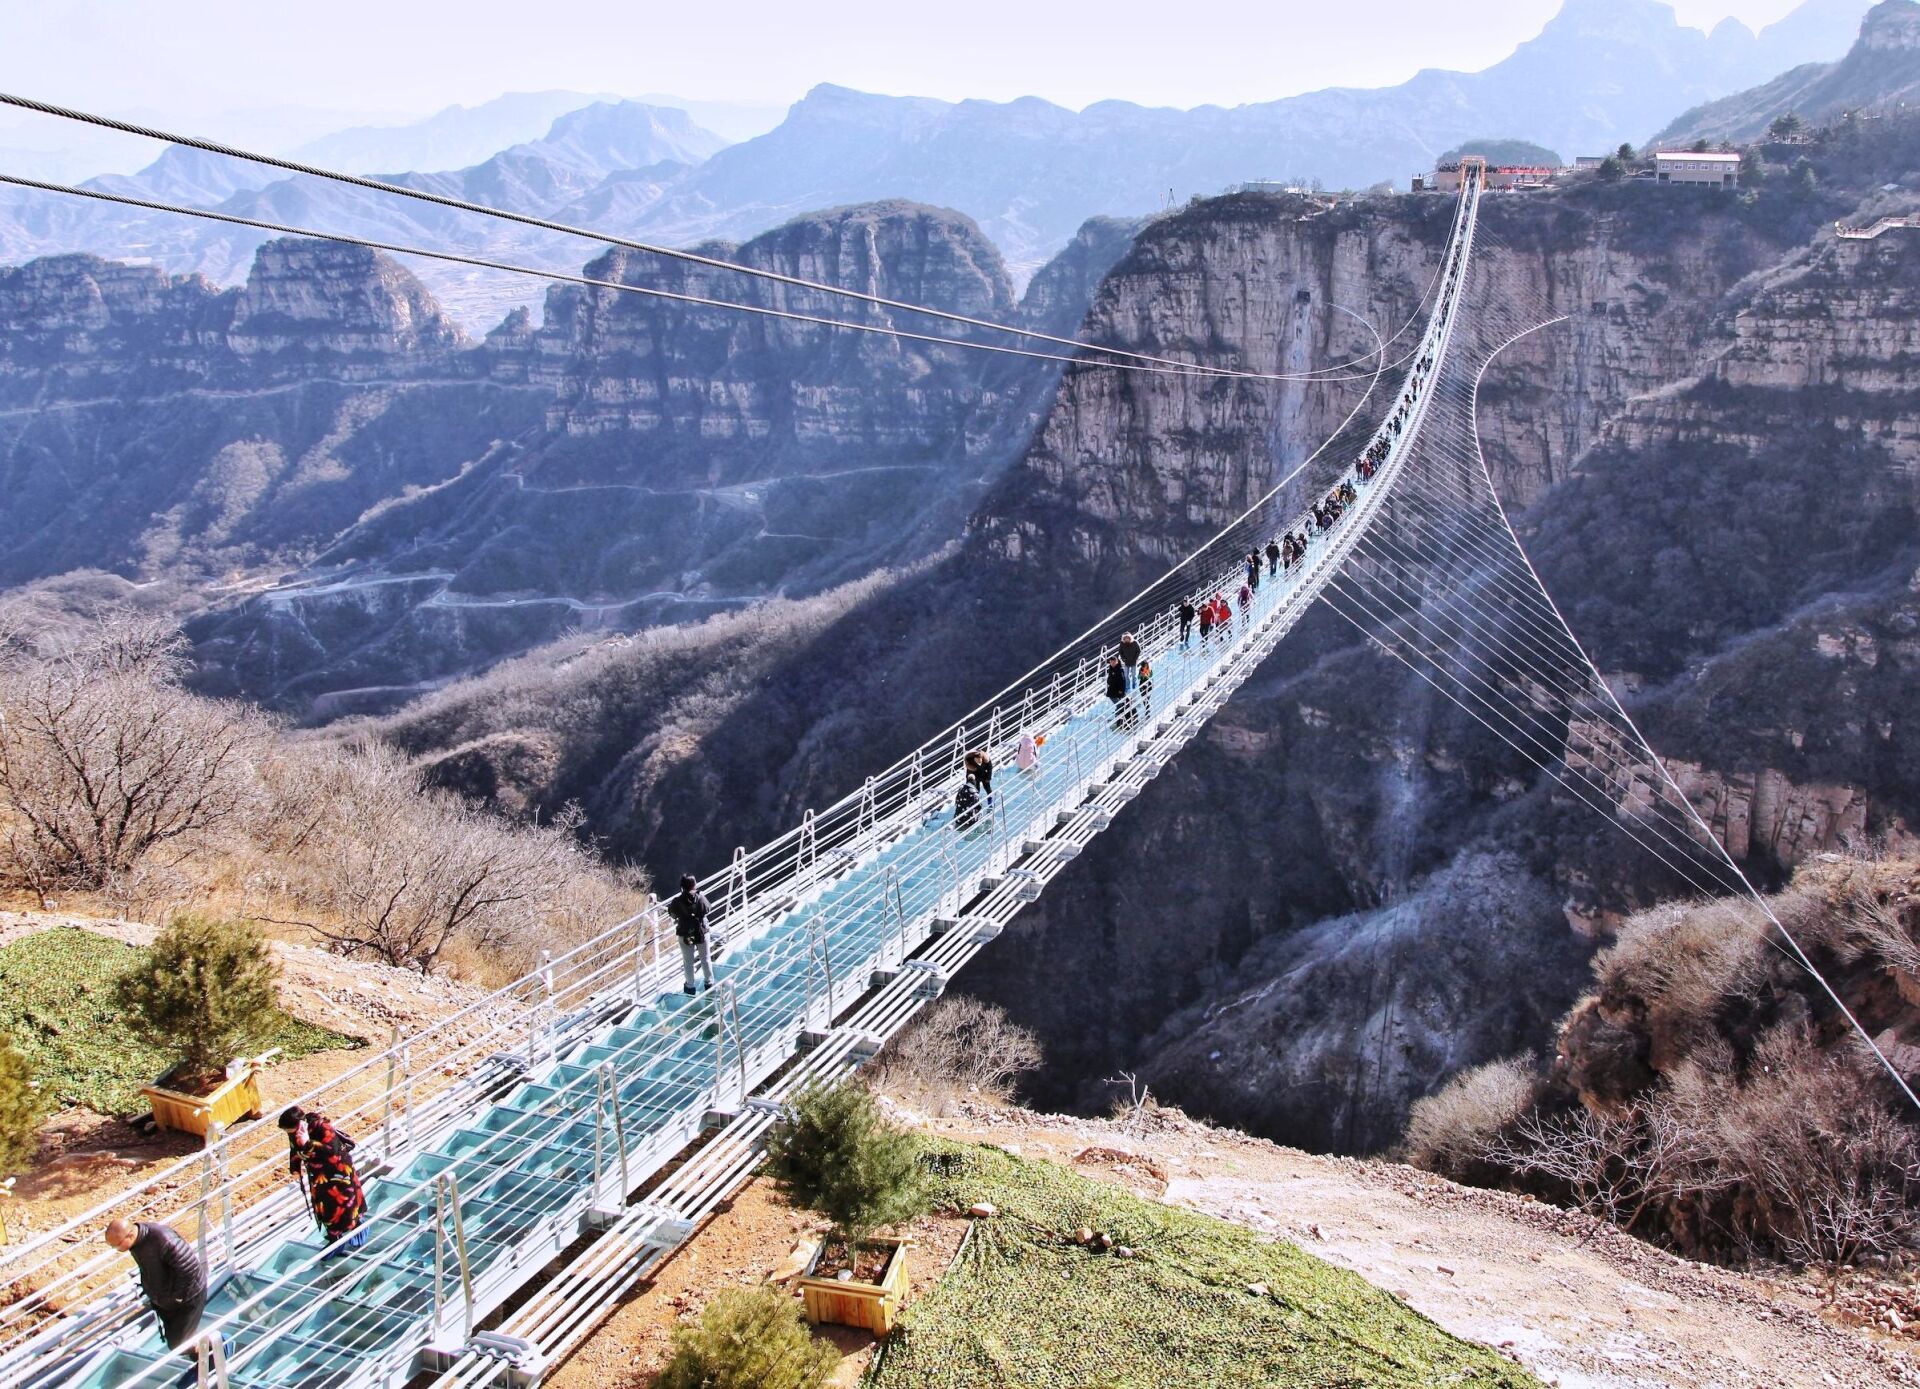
x,y
1721,851
1473,615
1699,838
547,224
1682,833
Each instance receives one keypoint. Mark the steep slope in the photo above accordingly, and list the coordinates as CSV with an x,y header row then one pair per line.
x,y
1882,70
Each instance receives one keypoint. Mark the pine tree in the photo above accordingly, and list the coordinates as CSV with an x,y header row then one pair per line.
x,y
205,992
748,1338
835,1153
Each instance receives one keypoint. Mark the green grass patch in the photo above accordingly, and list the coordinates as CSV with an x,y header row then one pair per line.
x,y
56,1002
1025,1307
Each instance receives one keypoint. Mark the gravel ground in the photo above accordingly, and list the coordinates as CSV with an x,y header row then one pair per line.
x,y
1582,1309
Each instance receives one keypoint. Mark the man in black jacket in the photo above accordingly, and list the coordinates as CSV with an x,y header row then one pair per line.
x,y
689,913
170,1275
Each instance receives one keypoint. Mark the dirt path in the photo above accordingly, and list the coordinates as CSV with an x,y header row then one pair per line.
x,y
755,1238
1581,1311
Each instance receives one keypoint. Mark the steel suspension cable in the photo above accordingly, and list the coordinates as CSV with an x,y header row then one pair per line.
x,y
547,224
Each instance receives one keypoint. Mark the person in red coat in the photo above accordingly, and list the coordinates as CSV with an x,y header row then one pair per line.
x,y
323,1156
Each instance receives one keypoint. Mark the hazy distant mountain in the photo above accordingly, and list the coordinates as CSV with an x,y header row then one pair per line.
x,y
1029,172
451,139
1601,71
189,176
736,120
613,157
1882,68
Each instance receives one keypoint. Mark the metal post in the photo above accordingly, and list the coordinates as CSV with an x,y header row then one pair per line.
x,y
206,1189
739,1037
737,876
226,1192
818,931
460,1247
599,1125
406,1089
619,1128
898,903
386,1116
641,934
865,826
439,1248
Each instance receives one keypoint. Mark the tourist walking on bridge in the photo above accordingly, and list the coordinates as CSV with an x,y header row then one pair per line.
x,y
1146,687
980,772
1273,558
1206,622
1186,624
320,1157
1130,657
1123,715
171,1276
689,913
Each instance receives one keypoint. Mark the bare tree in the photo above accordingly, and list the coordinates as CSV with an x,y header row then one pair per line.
x,y
106,761
1593,1156
960,1046
392,869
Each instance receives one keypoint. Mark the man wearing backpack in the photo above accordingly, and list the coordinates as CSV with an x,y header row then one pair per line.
x,y
689,913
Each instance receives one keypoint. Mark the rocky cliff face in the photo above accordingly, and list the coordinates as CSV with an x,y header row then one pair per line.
x,y
316,299
154,423
441,503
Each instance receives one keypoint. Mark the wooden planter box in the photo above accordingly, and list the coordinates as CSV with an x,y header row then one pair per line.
x,y
237,1097
870,1306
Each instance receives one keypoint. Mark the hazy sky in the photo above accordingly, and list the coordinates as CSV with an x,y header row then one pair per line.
x,y
401,56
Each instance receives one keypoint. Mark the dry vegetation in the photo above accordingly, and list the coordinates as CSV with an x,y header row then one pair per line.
x,y
119,785
602,720
958,1049
1708,1094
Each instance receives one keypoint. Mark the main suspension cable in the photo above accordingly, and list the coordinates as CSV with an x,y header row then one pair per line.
x,y
565,229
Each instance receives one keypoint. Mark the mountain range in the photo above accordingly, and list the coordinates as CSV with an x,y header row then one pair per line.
x,y
1027,171
1883,69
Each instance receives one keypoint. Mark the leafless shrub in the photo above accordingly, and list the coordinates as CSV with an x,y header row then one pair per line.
x,y
115,778
1453,1130
1135,1107
107,765
1833,1174
401,873
959,1046
1589,1155
1683,962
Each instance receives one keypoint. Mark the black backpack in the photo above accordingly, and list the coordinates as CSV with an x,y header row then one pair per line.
x,y
966,807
